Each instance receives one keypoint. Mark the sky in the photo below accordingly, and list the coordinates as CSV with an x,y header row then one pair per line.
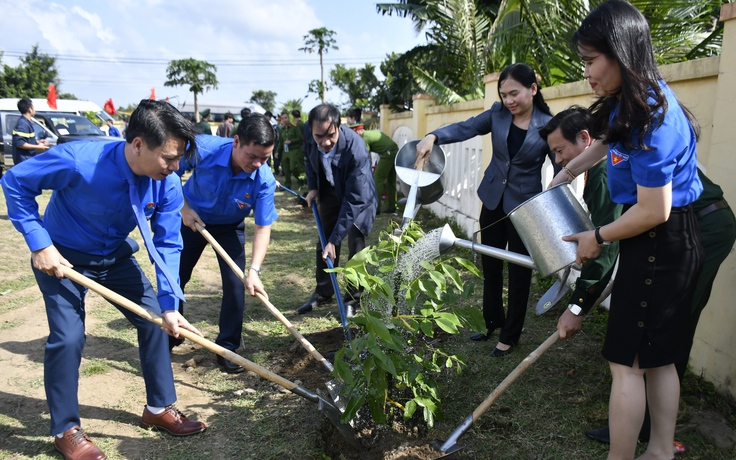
x,y
120,49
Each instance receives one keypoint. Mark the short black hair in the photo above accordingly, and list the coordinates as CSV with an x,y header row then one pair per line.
x,y
268,114
24,105
296,113
156,121
229,115
355,114
245,112
570,121
322,113
256,129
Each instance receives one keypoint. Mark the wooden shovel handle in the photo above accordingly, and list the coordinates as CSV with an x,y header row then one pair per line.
x,y
155,318
528,361
271,308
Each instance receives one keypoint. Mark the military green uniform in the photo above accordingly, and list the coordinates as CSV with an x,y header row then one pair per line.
x,y
385,173
292,159
203,127
596,273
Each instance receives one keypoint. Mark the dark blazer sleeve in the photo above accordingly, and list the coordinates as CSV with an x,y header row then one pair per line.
x,y
355,186
468,129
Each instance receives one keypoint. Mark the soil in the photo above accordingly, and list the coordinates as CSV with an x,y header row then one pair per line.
x,y
111,401
21,359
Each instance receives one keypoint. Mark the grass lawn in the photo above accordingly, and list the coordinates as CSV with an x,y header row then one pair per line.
x,y
543,415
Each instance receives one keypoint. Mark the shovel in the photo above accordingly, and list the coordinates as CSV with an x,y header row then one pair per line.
x,y
332,413
333,276
554,294
450,446
333,387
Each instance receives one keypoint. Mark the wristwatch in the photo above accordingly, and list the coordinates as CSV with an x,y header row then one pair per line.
x,y
599,238
575,309
256,269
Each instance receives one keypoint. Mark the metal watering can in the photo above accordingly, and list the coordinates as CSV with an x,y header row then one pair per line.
x,y
423,186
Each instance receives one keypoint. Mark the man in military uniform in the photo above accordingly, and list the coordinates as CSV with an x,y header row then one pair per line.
x,y
203,126
385,173
291,144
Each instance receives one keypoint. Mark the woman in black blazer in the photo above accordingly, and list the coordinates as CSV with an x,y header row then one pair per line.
x,y
513,176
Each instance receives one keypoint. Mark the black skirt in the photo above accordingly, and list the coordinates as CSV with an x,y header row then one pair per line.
x,y
652,293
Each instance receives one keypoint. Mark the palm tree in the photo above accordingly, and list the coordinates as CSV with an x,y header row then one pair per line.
x,y
292,104
537,32
320,41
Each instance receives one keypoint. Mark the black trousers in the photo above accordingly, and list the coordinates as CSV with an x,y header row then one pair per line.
x,y
329,211
232,239
500,235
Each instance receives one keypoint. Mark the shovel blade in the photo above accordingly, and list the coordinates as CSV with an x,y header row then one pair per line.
x,y
334,389
333,414
449,450
552,296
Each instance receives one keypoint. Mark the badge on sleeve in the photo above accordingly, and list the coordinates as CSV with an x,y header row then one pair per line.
x,y
617,157
241,204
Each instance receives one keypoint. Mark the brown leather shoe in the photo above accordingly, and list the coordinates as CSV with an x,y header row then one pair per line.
x,y
76,445
172,421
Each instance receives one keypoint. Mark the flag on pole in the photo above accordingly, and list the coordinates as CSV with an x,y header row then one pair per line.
x,y
153,94
110,107
51,98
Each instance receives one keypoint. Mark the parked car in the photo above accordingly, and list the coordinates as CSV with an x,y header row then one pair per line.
x,y
55,127
8,121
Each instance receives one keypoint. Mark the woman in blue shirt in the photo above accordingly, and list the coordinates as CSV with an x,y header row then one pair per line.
x,y
648,140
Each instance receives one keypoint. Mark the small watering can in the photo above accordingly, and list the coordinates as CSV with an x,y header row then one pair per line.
x,y
423,186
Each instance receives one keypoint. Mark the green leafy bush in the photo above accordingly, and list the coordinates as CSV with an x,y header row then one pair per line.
x,y
409,293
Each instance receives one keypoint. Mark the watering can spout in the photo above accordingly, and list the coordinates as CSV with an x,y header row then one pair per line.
x,y
447,239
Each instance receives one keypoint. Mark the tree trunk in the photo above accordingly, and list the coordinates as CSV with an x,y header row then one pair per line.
x,y
322,71
196,109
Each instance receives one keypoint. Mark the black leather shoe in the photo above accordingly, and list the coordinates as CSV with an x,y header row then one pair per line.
x,y
602,435
174,342
229,366
497,353
315,301
480,337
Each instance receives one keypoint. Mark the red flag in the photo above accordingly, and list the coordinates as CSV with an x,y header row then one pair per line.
x,y
51,98
153,94
110,107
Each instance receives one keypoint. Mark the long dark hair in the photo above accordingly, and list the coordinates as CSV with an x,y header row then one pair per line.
x,y
618,30
526,77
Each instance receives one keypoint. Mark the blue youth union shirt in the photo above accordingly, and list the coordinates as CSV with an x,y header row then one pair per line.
x,y
220,197
90,210
671,158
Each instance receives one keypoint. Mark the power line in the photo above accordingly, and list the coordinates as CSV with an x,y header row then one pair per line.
x,y
276,62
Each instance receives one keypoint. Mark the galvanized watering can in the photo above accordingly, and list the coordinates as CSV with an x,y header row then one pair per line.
x,y
420,187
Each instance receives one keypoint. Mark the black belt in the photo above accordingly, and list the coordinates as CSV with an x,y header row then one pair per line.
x,y
712,208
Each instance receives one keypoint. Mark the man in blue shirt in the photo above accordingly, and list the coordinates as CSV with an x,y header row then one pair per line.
x,y
25,145
86,226
112,131
229,180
